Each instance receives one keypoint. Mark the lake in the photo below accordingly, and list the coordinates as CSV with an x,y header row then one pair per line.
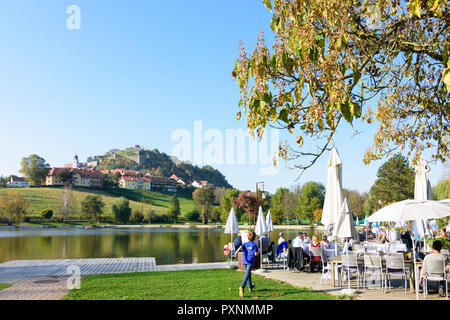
x,y
167,245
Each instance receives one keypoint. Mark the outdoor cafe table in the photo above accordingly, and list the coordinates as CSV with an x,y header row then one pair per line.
x,y
409,263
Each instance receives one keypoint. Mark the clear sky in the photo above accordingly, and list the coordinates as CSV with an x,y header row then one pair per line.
x,y
134,73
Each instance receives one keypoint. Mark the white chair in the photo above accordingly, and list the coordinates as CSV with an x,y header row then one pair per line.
x,y
373,266
395,266
443,278
358,248
349,266
326,265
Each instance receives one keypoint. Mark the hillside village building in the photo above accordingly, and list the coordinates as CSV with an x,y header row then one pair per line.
x,y
18,182
80,177
148,183
202,184
182,183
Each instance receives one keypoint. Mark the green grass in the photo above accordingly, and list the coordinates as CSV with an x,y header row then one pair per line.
x,y
4,285
219,284
46,197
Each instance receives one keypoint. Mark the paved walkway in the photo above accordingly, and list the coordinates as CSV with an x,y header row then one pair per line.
x,y
16,270
312,280
47,279
36,288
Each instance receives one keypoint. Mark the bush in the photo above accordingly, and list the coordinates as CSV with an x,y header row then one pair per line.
x,y
445,242
137,216
46,213
27,219
192,215
160,218
244,218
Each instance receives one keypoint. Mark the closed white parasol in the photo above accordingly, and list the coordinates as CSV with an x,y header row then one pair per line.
x,y
334,196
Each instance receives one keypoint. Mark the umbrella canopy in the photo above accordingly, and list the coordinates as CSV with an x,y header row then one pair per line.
x,y
422,191
366,222
261,225
232,225
408,210
269,221
334,195
357,222
344,227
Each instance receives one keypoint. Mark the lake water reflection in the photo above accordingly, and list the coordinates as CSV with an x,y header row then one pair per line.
x,y
167,245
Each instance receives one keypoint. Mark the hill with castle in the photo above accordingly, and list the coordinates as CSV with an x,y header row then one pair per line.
x,y
156,163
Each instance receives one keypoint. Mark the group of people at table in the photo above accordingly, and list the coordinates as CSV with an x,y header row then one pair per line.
x,y
432,262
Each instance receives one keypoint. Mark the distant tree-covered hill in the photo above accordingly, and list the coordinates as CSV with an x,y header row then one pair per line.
x,y
159,164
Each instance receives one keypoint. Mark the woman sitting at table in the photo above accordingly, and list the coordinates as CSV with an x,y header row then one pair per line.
x,y
315,260
326,244
382,237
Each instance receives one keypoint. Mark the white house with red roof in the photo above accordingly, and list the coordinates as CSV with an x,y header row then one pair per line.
x,y
18,182
202,184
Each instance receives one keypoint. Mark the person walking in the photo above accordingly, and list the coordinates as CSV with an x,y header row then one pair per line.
x,y
249,250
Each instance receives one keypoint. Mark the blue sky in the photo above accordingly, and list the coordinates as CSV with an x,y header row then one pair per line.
x,y
135,72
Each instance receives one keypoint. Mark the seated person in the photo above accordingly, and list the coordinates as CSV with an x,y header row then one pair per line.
x,y
433,264
306,239
442,233
405,237
382,237
298,241
315,243
282,249
281,239
326,244
238,241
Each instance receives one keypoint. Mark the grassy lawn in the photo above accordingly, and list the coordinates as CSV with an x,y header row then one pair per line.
x,y
52,198
4,285
219,284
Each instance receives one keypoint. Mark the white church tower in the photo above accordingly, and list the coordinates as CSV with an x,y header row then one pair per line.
x,y
76,163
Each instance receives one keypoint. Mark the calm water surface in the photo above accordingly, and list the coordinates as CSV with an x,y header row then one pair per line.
x,y
167,245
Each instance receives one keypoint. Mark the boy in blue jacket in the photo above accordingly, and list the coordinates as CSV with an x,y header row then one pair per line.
x,y
249,250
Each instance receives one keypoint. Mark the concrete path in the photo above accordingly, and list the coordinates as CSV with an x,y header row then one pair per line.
x,y
36,288
312,280
47,279
16,270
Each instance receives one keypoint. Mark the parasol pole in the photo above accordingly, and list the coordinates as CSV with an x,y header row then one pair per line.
x,y
415,267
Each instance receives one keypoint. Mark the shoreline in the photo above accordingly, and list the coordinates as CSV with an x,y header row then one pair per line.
x,y
158,226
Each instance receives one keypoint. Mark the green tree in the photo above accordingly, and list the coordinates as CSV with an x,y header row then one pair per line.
x,y
227,203
174,209
150,216
35,169
355,201
442,190
289,204
66,176
46,213
192,215
277,205
395,182
331,58
121,210
13,205
92,208
204,199
137,216
311,198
